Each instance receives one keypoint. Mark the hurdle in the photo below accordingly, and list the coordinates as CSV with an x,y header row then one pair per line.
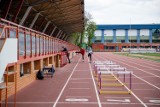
x,y
115,85
105,64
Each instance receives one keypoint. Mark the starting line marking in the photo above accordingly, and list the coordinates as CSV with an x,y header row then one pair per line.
x,y
154,101
123,101
78,96
76,100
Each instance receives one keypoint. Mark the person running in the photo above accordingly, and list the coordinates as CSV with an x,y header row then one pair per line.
x,y
67,53
90,52
82,51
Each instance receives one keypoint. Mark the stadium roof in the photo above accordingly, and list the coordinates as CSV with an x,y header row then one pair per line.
x,y
44,15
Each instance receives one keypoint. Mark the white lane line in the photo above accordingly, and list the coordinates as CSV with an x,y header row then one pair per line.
x,y
122,101
79,88
132,92
154,101
114,103
78,96
65,85
144,62
142,79
80,82
76,100
139,69
95,87
146,82
151,98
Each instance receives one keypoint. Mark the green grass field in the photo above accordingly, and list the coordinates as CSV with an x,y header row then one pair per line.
x,y
148,56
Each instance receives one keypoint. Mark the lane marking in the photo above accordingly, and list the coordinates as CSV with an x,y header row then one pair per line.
x,y
154,101
123,101
78,96
139,68
144,62
65,84
95,86
86,103
114,103
146,82
151,98
75,100
139,77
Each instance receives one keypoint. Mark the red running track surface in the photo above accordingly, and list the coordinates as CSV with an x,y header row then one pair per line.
x,y
75,86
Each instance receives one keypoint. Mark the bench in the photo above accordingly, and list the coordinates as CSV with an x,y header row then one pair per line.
x,y
48,71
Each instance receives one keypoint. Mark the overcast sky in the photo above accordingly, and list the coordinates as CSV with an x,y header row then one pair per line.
x,y
124,11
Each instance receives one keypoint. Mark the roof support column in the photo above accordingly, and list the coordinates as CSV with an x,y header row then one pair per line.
x,y
53,31
63,36
114,35
58,34
25,15
126,36
66,38
18,10
102,36
150,35
34,20
93,39
138,35
46,26
7,7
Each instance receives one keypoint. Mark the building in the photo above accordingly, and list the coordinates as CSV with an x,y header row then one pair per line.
x,y
115,37
32,34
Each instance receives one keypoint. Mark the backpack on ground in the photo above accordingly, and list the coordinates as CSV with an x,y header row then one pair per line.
x,y
40,75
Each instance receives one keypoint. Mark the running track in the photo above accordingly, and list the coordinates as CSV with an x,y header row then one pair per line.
x,y
75,86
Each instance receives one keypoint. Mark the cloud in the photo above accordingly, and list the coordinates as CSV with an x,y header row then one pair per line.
x,y
121,11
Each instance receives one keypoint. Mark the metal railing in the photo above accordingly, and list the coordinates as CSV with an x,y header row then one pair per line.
x,y
32,43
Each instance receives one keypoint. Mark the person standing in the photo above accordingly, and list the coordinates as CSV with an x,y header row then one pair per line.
x,y
67,53
90,52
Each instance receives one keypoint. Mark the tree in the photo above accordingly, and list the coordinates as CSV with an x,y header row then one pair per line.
x,y
90,27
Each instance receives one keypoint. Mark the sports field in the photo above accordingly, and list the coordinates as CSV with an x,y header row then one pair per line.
x,y
148,56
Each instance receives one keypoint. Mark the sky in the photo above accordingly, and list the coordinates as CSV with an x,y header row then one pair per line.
x,y
124,11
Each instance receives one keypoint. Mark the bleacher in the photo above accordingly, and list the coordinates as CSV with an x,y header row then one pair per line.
x,y
139,50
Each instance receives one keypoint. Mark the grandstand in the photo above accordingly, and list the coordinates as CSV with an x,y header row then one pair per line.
x,y
116,37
